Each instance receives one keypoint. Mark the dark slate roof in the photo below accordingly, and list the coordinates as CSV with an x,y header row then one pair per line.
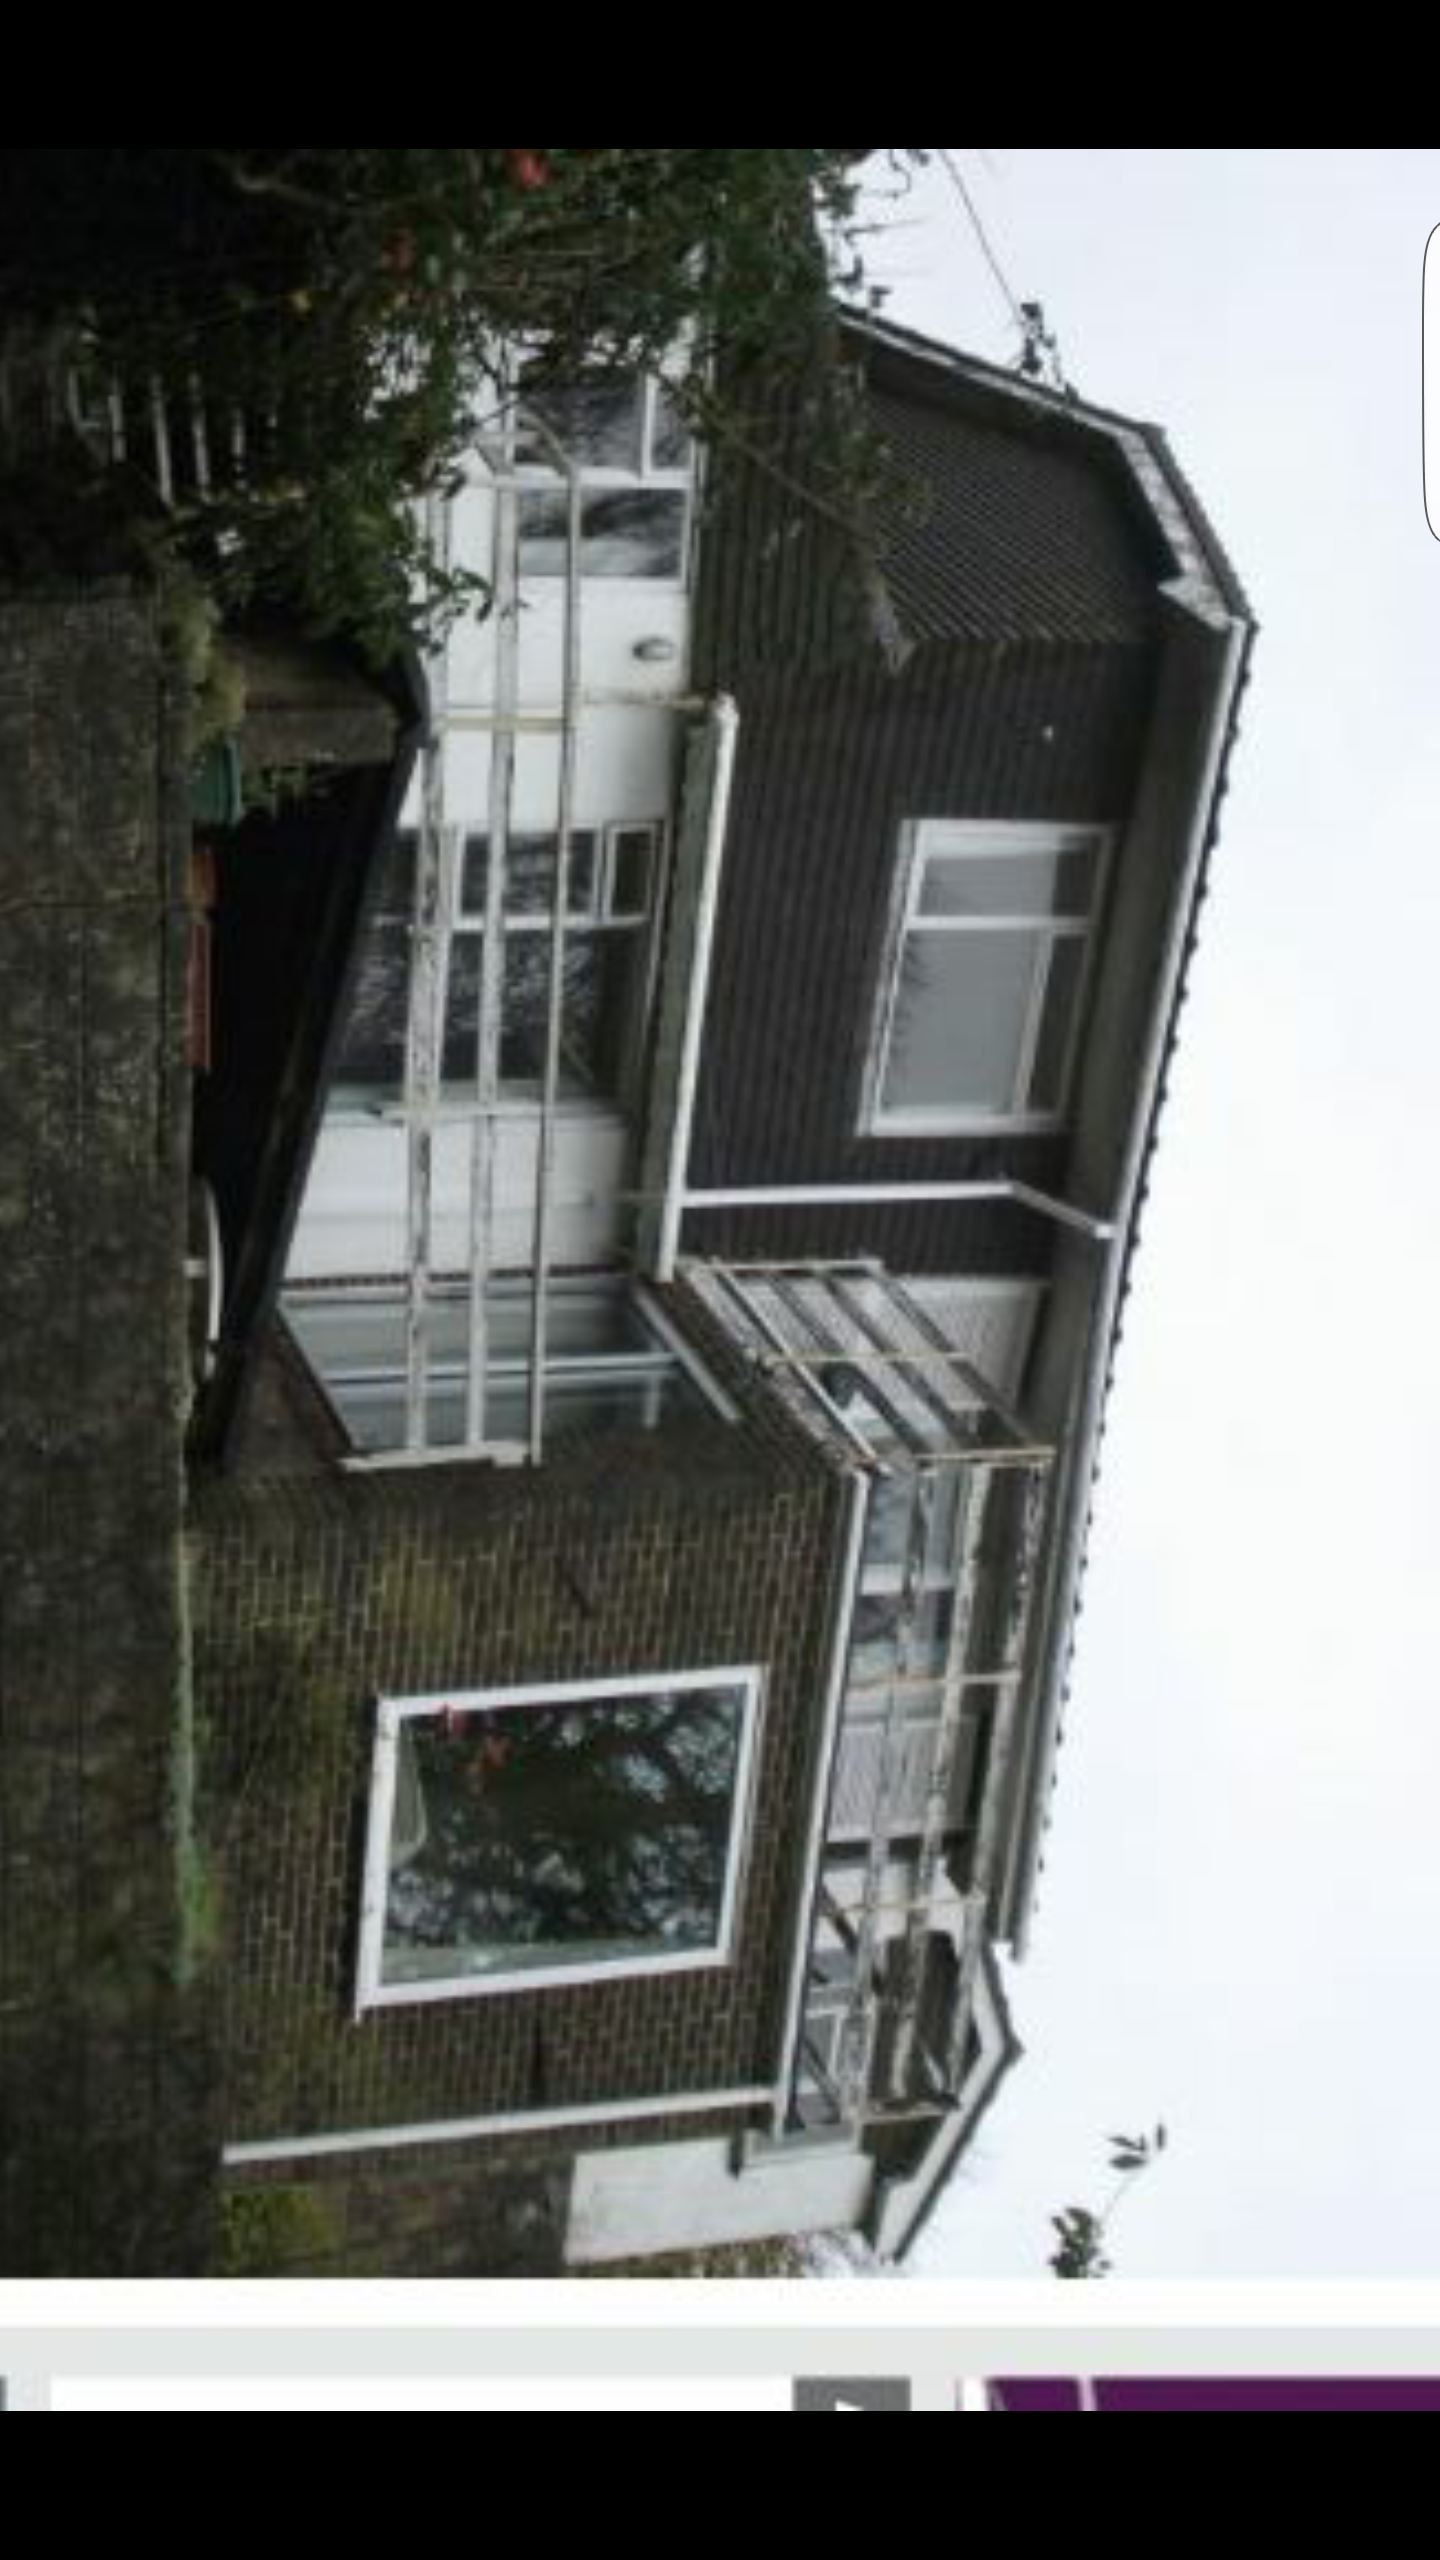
x,y
1000,529
1003,513
1038,421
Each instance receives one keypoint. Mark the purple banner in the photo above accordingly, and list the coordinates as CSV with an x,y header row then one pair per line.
x,y
1146,2394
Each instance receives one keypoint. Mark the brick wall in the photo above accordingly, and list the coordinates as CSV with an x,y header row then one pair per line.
x,y
700,1544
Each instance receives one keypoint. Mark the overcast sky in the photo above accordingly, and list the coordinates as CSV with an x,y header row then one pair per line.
x,y
1239,1927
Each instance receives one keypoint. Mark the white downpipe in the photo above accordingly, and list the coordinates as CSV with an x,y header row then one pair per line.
x,y
725,719
845,1195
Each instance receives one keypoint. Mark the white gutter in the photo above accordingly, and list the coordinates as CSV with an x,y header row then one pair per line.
x,y
725,725
1084,1423
540,2120
849,1575
844,1195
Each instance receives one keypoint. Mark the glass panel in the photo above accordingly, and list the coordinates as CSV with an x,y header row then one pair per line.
x,y
599,424
631,853
601,981
580,1834
544,534
959,1024
637,533
372,1046
587,1320
356,1345
1062,993
627,533
340,1334
592,1401
585,1029
1022,884
669,441
462,1010
875,1655
395,886
529,874
889,1532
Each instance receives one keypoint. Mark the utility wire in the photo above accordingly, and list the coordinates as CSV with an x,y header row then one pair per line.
x,y
1039,350
956,176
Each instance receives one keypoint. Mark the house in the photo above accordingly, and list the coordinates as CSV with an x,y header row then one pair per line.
x,y
631,1629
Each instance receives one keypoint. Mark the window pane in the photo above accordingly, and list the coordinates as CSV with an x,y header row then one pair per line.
x,y
395,887
462,1010
1023,884
544,534
580,1834
592,1401
960,1019
372,1046
525,1000
598,423
630,871
1052,1055
586,1320
670,441
635,533
529,874
627,533
601,982
356,1345
876,1650
894,1524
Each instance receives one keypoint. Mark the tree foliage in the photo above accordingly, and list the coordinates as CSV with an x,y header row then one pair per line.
x,y
1082,2235
350,307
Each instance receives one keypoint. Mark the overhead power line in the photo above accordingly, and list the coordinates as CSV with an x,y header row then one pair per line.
x,y
1039,348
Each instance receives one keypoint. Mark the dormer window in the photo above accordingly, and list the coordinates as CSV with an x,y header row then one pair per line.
x,y
979,1009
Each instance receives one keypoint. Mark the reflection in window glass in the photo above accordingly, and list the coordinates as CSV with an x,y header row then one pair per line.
x,y
961,1014
597,423
601,983
978,1021
395,884
605,1368
631,855
530,874
626,533
572,1834
670,440
371,1055
893,1523
1028,884
1057,1025
876,1648
604,984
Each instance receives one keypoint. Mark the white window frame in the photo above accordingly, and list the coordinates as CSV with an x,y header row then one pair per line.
x,y
652,1365
600,914
924,841
537,475
392,1714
